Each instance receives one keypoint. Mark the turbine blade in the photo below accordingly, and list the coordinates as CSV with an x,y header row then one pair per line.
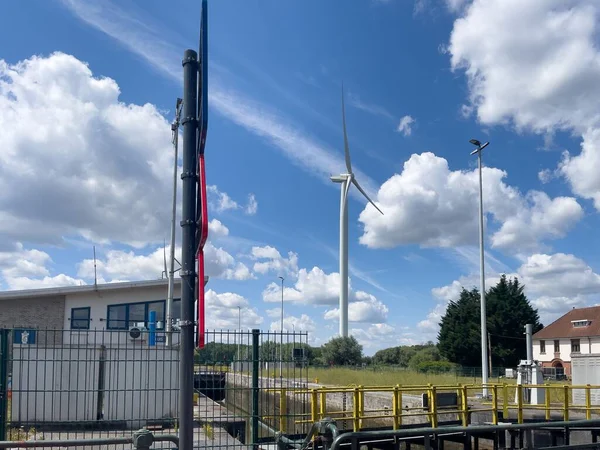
x,y
346,149
365,194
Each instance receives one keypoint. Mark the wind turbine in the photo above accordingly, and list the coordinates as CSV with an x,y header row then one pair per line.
x,y
346,179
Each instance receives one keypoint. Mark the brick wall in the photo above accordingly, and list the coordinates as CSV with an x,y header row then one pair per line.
x,y
45,313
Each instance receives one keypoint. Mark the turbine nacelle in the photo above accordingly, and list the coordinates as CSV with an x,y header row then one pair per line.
x,y
340,178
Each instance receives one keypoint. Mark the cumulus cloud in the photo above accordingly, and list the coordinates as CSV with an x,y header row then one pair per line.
x,y
304,323
221,201
365,308
405,125
553,283
316,287
216,229
129,265
99,163
544,81
430,205
222,311
270,260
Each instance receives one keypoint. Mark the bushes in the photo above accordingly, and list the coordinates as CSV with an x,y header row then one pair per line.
x,y
436,367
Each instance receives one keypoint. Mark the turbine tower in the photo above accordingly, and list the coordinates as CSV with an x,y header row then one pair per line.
x,y
345,180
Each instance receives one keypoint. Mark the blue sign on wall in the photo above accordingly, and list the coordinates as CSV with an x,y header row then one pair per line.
x,y
160,338
25,337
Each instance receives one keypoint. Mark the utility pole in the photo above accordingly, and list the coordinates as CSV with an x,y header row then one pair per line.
x,y
171,273
188,250
240,331
484,344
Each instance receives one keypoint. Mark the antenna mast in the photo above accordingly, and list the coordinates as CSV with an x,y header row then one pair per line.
x,y
95,274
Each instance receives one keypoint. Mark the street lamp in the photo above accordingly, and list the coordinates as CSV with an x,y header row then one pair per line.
x,y
484,347
281,349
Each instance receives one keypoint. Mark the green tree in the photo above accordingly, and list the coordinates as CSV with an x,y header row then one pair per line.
x,y
342,351
508,311
424,355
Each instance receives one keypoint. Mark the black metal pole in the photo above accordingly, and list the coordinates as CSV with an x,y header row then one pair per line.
x,y
255,369
3,382
188,250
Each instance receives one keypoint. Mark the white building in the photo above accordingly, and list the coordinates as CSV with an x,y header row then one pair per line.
x,y
86,310
74,359
575,333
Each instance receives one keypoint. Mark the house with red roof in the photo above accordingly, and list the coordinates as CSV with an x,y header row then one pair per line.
x,y
577,332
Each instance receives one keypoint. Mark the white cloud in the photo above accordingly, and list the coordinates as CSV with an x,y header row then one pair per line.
x,y
216,229
544,81
98,163
553,283
355,101
129,265
19,283
405,125
381,335
430,205
220,200
252,205
292,323
222,311
365,308
545,176
316,287
270,260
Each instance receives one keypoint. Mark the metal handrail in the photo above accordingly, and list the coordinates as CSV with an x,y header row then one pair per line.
x,y
446,431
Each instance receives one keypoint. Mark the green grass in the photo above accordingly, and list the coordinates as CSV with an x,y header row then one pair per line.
x,y
339,376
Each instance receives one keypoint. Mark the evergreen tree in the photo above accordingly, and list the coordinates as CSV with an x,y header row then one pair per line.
x,y
508,311
459,336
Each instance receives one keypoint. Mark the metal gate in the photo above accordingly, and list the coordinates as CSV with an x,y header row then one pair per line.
x,y
241,382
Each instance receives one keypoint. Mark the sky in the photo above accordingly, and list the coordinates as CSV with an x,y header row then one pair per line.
x,y
87,98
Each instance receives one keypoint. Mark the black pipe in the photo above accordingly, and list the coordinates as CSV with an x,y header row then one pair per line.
x,y
188,250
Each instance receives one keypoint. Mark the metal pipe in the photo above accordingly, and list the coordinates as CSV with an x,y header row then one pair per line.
x,y
529,341
484,356
81,442
188,250
171,273
469,430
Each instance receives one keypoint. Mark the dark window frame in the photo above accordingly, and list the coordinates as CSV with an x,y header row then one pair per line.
x,y
575,346
556,346
542,347
89,318
126,325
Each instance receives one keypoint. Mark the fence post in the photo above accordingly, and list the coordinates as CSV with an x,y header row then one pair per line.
x,y
495,404
255,368
397,406
283,411
547,402
3,382
588,403
566,404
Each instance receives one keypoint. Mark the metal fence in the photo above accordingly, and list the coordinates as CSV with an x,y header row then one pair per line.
x,y
91,384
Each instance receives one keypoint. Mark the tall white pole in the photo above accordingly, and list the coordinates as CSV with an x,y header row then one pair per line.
x,y
484,347
169,311
344,258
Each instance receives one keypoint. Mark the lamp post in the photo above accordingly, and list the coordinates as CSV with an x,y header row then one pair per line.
x,y
281,349
484,347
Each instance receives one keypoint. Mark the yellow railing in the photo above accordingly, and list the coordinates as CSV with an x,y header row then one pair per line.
x,y
503,399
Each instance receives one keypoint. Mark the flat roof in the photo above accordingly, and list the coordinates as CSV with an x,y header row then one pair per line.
x,y
65,290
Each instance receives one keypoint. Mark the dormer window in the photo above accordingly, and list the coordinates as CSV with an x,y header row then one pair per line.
x,y
580,323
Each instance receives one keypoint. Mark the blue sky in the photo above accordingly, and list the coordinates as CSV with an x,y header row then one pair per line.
x,y
97,171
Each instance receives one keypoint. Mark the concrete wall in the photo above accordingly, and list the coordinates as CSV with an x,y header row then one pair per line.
x,y
51,384
64,383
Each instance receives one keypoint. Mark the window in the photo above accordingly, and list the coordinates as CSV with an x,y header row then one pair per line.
x,y
556,346
580,323
542,347
80,318
176,313
123,316
575,346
